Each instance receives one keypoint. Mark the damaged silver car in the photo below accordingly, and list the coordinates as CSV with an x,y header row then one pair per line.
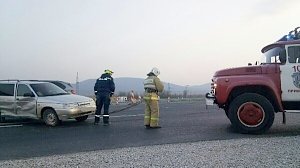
x,y
44,101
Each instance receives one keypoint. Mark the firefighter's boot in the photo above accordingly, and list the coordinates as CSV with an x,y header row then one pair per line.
x,y
105,119
97,119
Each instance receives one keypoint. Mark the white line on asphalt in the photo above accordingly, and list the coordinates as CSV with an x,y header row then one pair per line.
x,y
133,115
7,126
127,116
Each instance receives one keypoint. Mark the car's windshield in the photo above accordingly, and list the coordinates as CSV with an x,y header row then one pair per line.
x,y
47,89
273,56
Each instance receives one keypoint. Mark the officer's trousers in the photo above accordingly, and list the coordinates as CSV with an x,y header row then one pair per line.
x,y
103,99
151,117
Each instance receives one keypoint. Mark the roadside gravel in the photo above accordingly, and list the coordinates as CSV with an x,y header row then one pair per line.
x,y
272,152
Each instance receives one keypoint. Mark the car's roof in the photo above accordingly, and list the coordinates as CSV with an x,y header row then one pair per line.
x,y
56,81
22,81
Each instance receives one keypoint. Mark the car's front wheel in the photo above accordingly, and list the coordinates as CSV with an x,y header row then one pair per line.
x,y
50,117
251,113
82,118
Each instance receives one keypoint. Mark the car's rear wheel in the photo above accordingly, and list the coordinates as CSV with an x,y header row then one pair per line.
x,y
251,113
82,118
50,117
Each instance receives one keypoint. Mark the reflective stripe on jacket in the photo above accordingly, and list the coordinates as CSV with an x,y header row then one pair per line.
x,y
151,96
149,83
153,82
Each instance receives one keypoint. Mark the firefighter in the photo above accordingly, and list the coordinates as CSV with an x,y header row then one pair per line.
x,y
104,88
152,86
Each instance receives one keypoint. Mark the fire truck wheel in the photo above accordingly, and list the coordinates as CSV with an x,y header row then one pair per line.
x,y
227,115
251,113
50,117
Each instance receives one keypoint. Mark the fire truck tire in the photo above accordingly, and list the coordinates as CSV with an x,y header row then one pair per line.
x,y
251,113
227,115
50,117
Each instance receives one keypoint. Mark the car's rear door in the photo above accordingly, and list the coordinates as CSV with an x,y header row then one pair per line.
x,y
7,98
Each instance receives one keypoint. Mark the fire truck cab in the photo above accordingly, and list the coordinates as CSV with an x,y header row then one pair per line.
x,y
251,95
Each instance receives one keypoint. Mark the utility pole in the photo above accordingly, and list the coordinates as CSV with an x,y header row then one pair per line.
x,y
169,93
185,92
77,83
169,90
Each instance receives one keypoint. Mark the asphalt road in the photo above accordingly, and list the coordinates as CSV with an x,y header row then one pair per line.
x,y
181,122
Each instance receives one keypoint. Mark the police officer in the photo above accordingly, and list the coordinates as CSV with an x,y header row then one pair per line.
x,y
152,86
104,88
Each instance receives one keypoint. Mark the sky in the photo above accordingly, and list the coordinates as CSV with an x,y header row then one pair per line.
x,y
187,40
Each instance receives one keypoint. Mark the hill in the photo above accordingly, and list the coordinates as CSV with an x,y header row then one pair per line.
x,y
126,84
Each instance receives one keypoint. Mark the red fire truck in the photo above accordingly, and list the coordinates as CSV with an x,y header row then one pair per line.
x,y
250,95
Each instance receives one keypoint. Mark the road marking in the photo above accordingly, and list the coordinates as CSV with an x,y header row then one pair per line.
x,y
135,115
90,118
119,116
8,126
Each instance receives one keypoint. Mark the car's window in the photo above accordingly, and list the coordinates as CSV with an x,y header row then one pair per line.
x,y
23,90
67,85
59,84
7,89
47,89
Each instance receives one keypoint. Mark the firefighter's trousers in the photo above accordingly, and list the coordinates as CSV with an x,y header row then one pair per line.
x,y
151,117
103,99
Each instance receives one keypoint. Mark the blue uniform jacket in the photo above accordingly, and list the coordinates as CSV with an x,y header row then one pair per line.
x,y
104,85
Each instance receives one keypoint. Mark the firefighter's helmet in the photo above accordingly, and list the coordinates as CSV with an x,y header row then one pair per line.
x,y
107,71
155,71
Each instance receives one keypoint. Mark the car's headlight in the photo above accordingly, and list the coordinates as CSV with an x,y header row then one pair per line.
x,y
215,85
70,105
93,102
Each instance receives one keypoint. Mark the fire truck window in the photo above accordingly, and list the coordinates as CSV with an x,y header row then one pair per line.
x,y
274,59
294,54
282,57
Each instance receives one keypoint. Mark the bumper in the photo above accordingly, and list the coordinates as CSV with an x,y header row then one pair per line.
x,y
64,114
209,99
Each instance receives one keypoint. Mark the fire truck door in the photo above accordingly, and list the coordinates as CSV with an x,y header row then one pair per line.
x,y
290,75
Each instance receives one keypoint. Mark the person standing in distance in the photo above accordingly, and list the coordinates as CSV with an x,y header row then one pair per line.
x,y
104,88
132,98
152,86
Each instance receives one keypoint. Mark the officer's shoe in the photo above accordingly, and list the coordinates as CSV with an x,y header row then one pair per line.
x,y
105,124
147,126
96,123
155,127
